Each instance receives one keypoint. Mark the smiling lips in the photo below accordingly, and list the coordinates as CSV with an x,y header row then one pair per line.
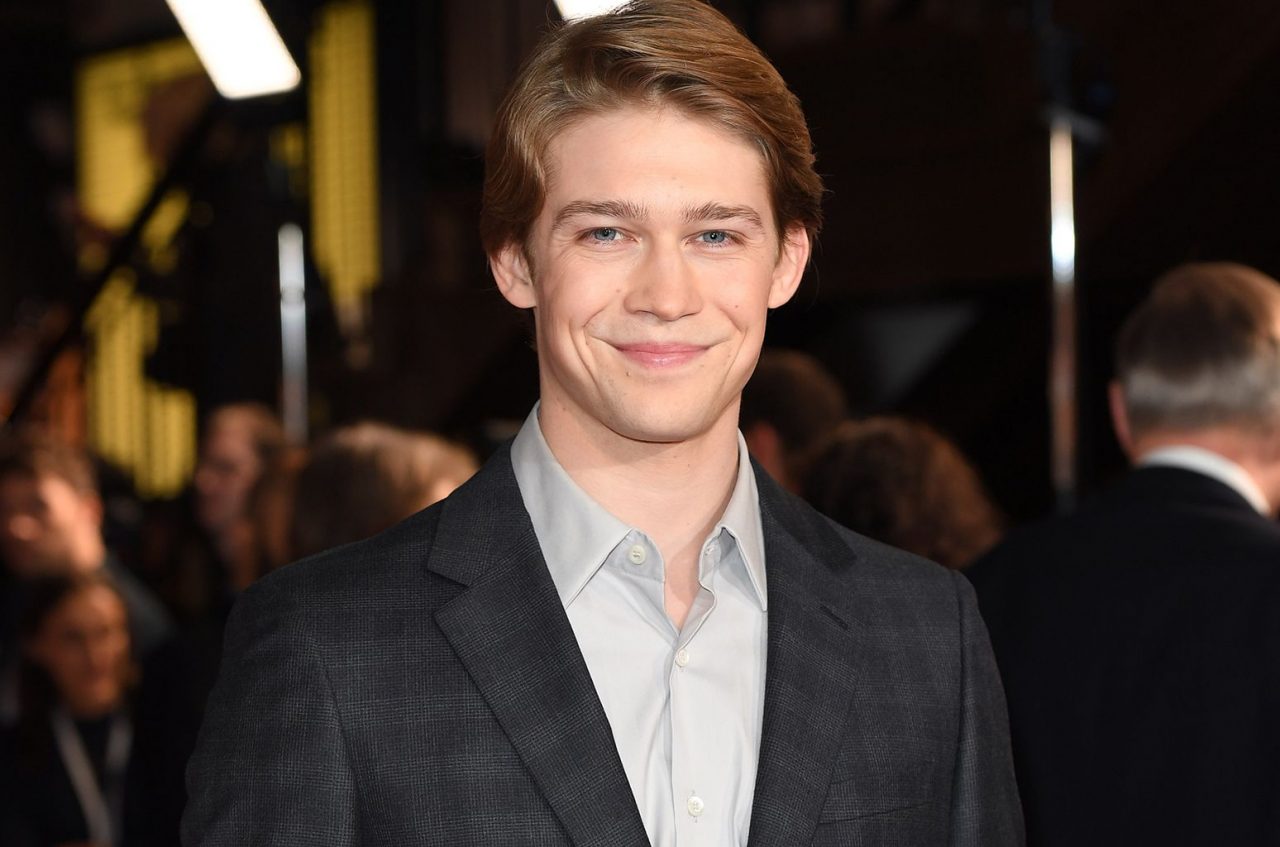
x,y
655,355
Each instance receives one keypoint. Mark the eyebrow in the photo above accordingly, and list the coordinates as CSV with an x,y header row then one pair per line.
x,y
632,211
601,208
721,212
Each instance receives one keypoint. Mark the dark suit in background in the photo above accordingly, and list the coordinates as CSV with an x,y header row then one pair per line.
x,y
1139,643
425,687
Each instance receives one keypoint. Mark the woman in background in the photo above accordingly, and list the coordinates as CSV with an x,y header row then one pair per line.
x,y
75,769
900,482
362,479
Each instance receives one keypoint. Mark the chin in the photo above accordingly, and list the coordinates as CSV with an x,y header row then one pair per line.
x,y
665,429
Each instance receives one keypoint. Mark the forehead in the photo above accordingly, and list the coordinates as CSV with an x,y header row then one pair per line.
x,y
93,604
231,439
20,485
639,149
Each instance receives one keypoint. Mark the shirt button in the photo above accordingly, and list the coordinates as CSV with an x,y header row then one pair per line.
x,y
682,659
637,555
696,806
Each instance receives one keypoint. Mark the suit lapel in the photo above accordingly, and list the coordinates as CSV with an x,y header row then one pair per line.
x,y
813,655
511,633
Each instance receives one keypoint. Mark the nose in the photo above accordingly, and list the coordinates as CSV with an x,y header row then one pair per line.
x,y
664,285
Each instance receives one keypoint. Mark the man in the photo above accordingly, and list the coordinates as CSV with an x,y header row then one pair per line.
x,y
1139,639
789,406
616,633
50,524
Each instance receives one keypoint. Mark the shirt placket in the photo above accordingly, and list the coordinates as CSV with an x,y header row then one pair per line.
x,y
694,794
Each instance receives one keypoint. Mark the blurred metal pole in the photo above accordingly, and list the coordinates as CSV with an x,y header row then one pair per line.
x,y
293,334
1062,358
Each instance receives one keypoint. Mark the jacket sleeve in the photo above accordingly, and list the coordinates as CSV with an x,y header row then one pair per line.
x,y
985,810
271,765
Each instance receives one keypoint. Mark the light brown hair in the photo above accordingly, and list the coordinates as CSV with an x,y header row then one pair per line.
x,y
680,54
1203,350
362,479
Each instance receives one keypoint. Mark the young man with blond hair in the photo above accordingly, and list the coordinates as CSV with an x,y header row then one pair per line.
x,y
620,633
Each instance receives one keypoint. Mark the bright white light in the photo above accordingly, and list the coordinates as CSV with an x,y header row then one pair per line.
x,y
1062,237
573,9
238,46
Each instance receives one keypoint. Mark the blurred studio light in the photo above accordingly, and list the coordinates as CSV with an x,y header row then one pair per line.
x,y
1062,216
1064,413
573,9
238,46
293,333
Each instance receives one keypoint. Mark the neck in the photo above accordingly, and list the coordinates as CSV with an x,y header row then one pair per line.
x,y
236,549
1258,455
91,710
674,492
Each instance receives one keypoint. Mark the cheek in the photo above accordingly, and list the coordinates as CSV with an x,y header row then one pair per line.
x,y
64,665
120,654
570,309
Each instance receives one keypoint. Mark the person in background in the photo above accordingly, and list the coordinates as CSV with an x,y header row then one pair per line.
x,y
208,548
259,542
82,765
789,405
364,478
900,482
271,509
51,525
1139,638
240,441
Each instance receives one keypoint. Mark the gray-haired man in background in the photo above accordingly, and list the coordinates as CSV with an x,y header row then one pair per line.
x,y
1139,639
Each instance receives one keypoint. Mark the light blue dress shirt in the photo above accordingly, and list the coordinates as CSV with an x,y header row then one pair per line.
x,y
685,705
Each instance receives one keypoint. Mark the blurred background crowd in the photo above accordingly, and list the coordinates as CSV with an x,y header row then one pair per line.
x,y
236,332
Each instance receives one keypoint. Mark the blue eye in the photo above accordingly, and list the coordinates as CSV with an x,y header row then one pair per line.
x,y
604,233
715,236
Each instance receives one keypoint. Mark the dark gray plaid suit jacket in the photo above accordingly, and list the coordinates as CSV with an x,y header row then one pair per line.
x,y
425,687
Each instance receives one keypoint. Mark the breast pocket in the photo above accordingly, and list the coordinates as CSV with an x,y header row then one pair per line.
x,y
881,784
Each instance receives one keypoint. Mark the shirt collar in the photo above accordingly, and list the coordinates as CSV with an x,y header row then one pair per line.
x,y
577,534
1213,465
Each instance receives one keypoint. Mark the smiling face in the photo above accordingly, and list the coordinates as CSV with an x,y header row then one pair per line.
x,y
650,270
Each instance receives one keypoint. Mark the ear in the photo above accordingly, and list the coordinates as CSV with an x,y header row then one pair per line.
x,y
792,260
1120,417
511,272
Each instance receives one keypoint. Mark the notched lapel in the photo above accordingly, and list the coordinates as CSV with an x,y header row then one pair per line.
x,y
511,633
811,673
